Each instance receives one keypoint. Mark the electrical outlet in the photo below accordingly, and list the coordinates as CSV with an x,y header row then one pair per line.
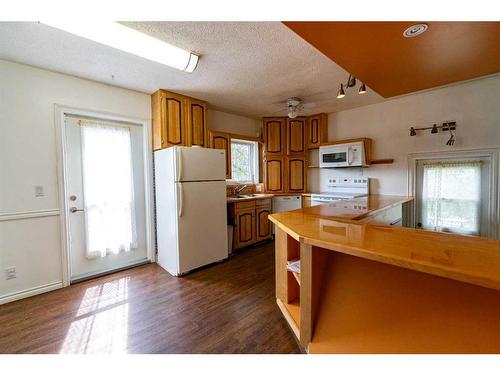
x,y
39,191
10,273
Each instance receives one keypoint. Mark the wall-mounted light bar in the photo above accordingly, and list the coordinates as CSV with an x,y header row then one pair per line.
x,y
124,38
448,126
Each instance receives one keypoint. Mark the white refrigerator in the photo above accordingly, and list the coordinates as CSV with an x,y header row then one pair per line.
x,y
191,214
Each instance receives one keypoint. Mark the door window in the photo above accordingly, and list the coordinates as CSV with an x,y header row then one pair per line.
x,y
108,189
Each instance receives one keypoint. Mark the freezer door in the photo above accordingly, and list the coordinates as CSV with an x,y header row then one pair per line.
x,y
202,223
200,164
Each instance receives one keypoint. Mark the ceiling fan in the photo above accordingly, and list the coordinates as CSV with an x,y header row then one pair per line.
x,y
294,105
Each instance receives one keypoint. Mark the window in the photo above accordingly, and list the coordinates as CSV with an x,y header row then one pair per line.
x,y
244,160
451,196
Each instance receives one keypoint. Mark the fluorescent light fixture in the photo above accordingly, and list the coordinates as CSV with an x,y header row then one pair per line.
x,y
124,38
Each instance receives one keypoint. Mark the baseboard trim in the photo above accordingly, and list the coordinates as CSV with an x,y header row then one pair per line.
x,y
30,292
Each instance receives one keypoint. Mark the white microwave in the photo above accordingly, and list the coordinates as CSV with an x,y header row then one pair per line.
x,y
342,155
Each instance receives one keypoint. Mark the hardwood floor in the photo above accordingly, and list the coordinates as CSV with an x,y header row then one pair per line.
x,y
226,308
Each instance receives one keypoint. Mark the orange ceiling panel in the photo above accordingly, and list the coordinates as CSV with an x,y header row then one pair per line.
x,y
379,55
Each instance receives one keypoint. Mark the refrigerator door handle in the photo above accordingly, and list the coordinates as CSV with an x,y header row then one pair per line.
x,y
179,164
181,201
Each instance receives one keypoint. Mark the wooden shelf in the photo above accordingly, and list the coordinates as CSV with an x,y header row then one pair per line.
x,y
382,161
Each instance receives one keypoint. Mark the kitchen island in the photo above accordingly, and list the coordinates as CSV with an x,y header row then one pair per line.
x,y
374,288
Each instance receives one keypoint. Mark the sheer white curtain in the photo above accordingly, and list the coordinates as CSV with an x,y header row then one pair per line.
x,y
108,189
451,196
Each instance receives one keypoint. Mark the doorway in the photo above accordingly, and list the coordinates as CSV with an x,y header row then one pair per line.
x,y
106,194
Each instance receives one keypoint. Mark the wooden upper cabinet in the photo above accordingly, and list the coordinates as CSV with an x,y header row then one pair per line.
x,y
178,120
169,128
296,130
172,120
274,136
222,141
296,174
274,174
196,123
317,130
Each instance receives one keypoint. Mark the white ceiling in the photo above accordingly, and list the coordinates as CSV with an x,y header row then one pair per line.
x,y
247,68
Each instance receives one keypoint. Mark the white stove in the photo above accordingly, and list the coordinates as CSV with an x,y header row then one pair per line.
x,y
342,188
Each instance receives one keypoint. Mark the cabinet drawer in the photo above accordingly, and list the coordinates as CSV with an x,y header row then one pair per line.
x,y
263,202
244,205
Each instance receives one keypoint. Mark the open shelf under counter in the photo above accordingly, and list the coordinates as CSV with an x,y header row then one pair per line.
x,y
368,307
291,312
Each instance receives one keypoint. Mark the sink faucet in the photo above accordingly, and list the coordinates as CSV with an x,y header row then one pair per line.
x,y
239,189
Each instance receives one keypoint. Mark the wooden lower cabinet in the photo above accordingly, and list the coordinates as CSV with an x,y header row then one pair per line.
x,y
251,223
263,225
244,228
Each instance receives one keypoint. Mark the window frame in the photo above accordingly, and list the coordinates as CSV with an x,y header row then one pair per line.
x,y
491,205
254,166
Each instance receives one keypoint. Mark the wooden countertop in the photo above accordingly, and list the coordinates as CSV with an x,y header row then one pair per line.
x,y
470,259
356,208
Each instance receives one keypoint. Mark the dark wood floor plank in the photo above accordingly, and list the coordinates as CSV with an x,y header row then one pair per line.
x,y
226,308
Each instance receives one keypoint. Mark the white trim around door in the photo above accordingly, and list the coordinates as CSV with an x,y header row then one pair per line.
x,y
60,111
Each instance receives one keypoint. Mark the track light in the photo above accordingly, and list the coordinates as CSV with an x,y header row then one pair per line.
x,y
341,92
434,129
362,89
412,131
351,81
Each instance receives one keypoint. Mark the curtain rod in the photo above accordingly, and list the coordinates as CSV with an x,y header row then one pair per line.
x,y
451,162
97,121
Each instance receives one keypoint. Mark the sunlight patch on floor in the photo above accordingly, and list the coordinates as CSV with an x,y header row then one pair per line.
x,y
101,323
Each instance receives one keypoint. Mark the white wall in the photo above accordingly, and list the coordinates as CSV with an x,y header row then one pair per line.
x,y
28,158
474,105
229,123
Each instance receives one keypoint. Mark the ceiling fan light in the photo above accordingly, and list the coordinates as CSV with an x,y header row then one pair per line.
x,y
362,89
341,92
412,132
434,129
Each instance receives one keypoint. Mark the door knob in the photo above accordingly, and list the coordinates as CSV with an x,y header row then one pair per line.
x,y
74,209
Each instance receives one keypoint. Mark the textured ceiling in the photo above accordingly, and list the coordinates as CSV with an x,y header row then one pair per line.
x,y
247,68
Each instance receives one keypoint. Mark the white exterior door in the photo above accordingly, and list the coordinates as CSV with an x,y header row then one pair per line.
x,y
202,223
99,235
